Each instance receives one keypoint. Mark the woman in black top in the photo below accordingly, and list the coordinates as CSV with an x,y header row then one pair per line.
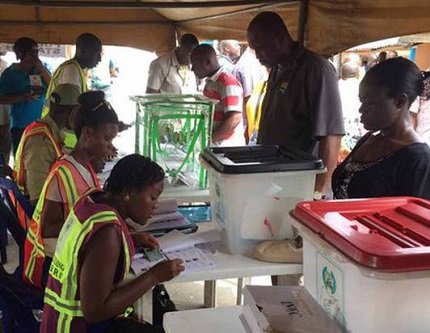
x,y
391,160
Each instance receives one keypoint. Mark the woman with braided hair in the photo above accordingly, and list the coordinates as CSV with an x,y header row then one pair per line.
x,y
84,291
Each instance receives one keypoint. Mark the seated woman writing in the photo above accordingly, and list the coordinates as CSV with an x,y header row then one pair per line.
x,y
390,160
94,252
95,125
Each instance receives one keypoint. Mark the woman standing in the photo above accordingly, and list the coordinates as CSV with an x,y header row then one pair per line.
x,y
391,160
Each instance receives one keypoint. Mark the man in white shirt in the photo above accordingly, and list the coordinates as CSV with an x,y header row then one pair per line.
x,y
171,73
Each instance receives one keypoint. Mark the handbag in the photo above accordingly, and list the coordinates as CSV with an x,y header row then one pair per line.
x,y
161,303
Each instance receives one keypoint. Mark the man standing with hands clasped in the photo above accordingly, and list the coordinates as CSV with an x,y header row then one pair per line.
x,y
302,108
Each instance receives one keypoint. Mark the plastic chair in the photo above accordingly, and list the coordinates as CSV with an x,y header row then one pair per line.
x,y
21,305
7,187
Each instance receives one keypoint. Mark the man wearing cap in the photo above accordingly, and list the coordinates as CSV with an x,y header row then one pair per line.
x,y
41,143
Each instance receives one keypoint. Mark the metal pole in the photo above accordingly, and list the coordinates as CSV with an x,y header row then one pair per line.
x,y
303,18
136,5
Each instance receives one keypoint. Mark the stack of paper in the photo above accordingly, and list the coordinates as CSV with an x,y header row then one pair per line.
x,y
165,218
177,245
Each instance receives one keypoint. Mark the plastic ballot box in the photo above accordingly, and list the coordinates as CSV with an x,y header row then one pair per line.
x,y
172,130
253,188
367,261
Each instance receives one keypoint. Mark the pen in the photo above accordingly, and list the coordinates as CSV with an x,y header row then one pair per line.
x,y
165,255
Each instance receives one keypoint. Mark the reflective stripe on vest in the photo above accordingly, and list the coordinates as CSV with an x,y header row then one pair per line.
x,y
54,82
65,265
34,251
34,129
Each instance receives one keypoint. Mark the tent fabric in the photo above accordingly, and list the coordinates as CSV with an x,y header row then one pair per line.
x,y
332,25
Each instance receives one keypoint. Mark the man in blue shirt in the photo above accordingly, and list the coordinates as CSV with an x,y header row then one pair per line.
x,y
23,86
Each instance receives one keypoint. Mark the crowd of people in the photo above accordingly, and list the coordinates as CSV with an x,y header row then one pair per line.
x,y
275,92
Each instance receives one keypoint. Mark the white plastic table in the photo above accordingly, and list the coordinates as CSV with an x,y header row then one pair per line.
x,y
227,266
214,320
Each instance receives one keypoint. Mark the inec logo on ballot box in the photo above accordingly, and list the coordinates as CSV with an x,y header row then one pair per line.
x,y
329,286
329,280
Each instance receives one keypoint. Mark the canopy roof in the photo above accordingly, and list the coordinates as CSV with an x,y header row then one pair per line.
x,y
331,25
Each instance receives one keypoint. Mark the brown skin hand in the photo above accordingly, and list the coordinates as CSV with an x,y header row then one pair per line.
x,y
101,298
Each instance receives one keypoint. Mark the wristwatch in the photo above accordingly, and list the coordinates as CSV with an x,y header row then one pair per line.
x,y
318,195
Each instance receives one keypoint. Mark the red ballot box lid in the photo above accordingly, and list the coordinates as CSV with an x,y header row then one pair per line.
x,y
388,234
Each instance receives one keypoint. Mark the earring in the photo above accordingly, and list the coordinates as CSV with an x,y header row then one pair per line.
x,y
126,197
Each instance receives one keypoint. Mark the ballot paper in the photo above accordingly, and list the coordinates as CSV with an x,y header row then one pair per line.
x,y
165,218
177,245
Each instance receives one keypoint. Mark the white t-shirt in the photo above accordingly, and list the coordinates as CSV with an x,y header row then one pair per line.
x,y
53,194
70,74
53,191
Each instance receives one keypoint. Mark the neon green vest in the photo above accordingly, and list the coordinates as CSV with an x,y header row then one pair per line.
x,y
65,265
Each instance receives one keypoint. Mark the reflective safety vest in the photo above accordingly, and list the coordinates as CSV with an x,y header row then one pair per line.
x,y
54,82
63,311
253,110
34,129
72,185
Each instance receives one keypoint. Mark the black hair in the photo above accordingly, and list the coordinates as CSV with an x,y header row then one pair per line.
x,y
398,75
23,44
133,173
93,111
269,23
88,41
205,51
188,41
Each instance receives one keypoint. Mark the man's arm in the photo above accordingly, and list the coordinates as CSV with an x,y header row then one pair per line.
x,y
155,78
231,121
328,151
8,93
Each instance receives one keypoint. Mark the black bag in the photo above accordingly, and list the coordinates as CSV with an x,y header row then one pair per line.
x,y
161,303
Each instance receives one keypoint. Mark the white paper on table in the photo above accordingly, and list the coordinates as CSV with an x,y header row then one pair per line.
x,y
193,259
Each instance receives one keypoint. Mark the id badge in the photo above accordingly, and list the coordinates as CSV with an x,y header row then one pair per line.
x,y
35,80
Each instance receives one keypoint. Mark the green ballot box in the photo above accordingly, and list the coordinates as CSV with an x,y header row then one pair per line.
x,y
172,130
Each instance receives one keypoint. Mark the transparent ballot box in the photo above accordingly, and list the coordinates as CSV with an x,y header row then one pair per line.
x,y
172,130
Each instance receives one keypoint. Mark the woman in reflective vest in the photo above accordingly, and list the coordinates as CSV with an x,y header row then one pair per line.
x,y
95,124
84,292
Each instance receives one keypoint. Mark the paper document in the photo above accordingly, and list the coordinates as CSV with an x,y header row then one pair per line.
x,y
165,217
177,245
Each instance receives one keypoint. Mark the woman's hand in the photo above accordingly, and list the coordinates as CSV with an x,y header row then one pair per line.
x,y
145,239
167,270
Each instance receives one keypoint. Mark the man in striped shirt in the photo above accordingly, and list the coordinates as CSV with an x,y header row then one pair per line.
x,y
222,86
